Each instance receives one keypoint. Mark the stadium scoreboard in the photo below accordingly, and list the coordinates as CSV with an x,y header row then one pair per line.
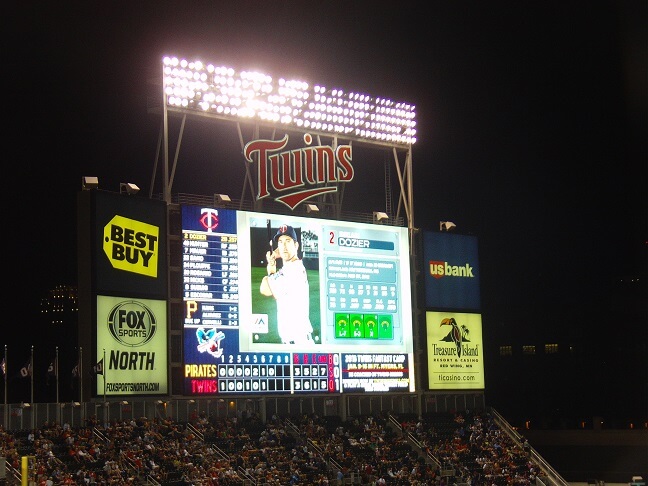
x,y
360,306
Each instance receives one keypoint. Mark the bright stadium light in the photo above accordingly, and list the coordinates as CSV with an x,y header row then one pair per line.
x,y
223,91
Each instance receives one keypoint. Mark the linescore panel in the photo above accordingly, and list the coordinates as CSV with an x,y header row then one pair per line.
x,y
359,300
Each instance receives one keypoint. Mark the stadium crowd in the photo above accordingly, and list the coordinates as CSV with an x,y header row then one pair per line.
x,y
439,450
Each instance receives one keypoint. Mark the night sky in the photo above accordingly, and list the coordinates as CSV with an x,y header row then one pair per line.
x,y
532,126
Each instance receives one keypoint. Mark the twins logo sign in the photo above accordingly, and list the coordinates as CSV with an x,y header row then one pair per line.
x,y
132,323
298,174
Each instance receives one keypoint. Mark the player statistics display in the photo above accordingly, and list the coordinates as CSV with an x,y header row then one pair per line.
x,y
287,304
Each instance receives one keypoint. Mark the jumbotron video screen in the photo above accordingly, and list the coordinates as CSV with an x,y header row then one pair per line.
x,y
287,304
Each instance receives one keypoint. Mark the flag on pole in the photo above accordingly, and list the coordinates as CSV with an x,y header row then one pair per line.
x,y
75,376
52,370
26,371
3,365
98,368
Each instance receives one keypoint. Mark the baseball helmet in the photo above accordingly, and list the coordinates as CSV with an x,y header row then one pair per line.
x,y
286,230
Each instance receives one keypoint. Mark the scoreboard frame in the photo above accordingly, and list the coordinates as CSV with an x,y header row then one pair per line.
x,y
358,273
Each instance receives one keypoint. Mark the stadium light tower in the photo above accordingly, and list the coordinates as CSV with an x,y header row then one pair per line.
x,y
253,96
326,116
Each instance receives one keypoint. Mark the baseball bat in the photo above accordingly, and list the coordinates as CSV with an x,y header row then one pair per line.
x,y
268,225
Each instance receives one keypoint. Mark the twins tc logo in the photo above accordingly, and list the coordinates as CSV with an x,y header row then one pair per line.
x,y
209,219
132,323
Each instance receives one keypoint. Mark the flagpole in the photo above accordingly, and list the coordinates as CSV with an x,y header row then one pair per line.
x,y
103,376
81,374
56,370
6,366
32,386
80,378
103,372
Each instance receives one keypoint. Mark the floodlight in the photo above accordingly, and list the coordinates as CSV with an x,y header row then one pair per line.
x,y
124,402
76,404
379,216
88,183
128,188
25,405
376,118
447,226
312,208
222,199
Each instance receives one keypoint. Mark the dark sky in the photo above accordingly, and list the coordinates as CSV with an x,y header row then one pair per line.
x,y
532,122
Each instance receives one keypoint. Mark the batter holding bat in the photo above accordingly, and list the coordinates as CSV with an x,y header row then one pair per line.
x,y
289,287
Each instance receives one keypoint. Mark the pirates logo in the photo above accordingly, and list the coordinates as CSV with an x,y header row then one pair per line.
x,y
210,341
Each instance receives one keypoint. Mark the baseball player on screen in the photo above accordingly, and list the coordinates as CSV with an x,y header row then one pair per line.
x,y
289,287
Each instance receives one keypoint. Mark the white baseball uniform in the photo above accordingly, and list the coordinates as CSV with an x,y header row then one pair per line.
x,y
290,289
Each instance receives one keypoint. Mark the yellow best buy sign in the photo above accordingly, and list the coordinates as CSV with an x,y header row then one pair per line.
x,y
132,246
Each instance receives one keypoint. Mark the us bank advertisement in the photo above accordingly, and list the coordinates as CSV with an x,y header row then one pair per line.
x,y
451,271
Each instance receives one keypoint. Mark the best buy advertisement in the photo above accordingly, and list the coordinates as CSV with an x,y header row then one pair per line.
x,y
130,246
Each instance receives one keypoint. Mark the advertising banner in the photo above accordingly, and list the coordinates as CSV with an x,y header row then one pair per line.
x,y
130,245
451,269
131,346
455,351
